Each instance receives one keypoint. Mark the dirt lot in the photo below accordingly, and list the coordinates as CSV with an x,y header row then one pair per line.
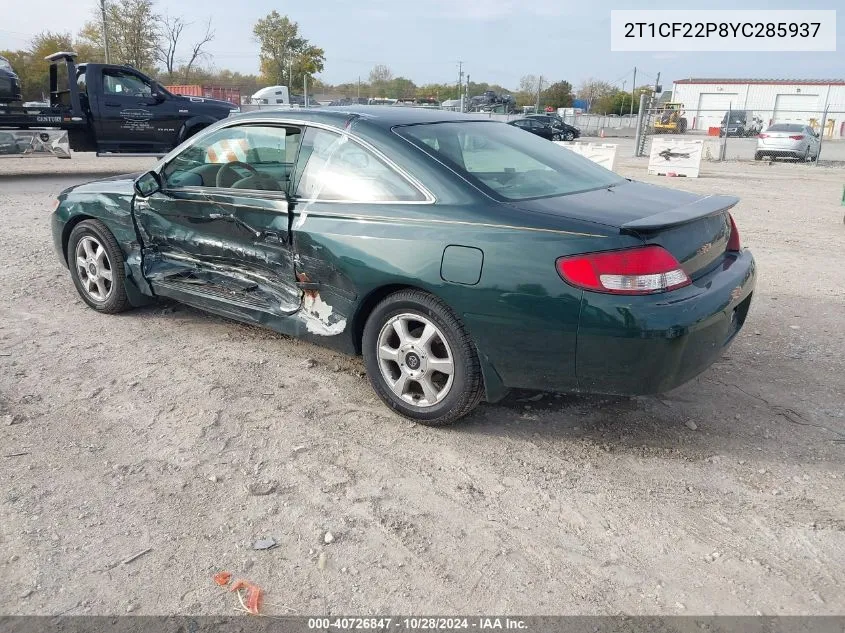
x,y
168,429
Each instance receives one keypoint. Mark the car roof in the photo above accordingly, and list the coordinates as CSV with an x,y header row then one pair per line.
x,y
379,116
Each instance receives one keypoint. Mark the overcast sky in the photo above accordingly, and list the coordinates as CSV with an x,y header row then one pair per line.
x,y
498,40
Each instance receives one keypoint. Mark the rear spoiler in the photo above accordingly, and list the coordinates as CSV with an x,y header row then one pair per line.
x,y
709,205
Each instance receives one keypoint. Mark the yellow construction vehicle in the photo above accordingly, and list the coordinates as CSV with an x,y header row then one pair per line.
x,y
669,119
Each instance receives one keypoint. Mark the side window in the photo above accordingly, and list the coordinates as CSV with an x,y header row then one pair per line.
x,y
334,167
80,82
125,84
254,157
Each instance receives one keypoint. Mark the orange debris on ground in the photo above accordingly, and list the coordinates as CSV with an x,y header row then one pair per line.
x,y
253,591
253,594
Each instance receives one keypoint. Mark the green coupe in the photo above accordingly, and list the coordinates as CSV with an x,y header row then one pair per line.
x,y
461,257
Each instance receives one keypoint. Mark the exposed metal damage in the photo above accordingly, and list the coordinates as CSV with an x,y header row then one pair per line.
x,y
319,316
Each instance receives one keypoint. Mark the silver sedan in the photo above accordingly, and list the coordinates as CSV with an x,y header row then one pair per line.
x,y
788,140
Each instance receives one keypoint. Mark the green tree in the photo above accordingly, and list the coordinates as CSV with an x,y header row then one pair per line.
x,y
595,93
34,71
284,50
441,92
133,28
557,95
401,88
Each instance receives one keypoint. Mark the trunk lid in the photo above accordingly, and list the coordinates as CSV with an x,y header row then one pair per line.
x,y
694,228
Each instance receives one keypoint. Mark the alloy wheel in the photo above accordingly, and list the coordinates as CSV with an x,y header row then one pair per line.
x,y
94,268
415,360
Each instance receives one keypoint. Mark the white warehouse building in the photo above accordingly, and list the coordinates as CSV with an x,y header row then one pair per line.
x,y
773,100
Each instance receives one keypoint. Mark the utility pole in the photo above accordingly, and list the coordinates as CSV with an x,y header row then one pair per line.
x,y
105,31
359,87
539,88
290,74
633,91
305,88
466,92
460,84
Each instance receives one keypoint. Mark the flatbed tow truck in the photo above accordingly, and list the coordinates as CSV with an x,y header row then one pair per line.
x,y
113,110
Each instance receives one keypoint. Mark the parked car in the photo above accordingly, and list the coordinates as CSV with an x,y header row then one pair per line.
x,y
9,143
788,140
568,132
740,123
418,238
540,128
10,85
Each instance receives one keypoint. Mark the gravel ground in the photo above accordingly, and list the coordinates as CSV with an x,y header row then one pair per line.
x,y
189,437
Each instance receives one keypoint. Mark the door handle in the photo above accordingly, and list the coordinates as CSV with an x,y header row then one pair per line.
x,y
112,104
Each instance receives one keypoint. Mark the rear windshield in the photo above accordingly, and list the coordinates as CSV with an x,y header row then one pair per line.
x,y
785,127
507,162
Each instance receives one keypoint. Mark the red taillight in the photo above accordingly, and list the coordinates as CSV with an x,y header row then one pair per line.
x,y
762,136
634,271
797,137
733,240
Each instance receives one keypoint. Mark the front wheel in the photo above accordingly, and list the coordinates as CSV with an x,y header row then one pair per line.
x,y
96,267
569,136
420,359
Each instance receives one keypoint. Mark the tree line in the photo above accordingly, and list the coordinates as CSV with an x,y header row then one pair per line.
x,y
157,44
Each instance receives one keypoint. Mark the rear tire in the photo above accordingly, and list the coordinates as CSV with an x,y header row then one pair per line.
x,y
758,156
96,267
408,339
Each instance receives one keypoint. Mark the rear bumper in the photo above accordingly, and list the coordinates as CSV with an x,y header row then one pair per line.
x,y
789,150
651,344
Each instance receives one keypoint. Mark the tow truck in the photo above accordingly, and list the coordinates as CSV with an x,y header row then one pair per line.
x,y
108,109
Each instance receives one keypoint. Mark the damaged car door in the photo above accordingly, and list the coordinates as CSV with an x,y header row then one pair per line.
x,y
217,232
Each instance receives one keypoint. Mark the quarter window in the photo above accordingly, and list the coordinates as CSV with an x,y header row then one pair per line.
x,y
334,167
254,157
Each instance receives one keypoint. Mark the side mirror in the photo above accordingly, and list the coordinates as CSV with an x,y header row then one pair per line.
x,y
147,184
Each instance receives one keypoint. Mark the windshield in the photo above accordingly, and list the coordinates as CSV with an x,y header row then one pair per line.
x,y
507,162
734,117
785,127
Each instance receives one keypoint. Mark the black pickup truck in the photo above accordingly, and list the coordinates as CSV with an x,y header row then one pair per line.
x,y
111,109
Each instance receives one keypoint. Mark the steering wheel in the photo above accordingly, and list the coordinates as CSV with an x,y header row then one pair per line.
x,y
226,168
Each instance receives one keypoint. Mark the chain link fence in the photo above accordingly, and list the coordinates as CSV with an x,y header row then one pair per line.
x,y
811,136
